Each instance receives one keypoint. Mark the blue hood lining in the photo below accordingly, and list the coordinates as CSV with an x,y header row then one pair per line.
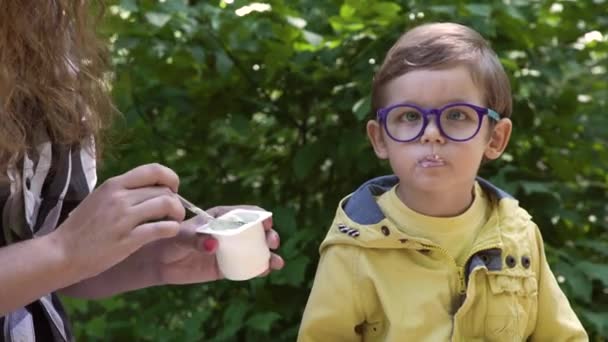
x,y
361,206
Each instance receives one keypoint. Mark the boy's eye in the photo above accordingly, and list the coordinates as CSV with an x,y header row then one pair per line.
x,y
410,116
456,115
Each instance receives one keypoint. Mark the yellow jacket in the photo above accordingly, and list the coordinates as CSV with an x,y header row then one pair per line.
x,y
374,283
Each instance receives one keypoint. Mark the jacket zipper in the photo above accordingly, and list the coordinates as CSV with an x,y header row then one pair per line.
x,y
460,269
466,303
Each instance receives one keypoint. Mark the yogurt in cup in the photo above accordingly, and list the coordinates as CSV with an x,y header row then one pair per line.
x,y
242,252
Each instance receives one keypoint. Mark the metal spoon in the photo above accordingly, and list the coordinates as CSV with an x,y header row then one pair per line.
x,y
198,211
194,209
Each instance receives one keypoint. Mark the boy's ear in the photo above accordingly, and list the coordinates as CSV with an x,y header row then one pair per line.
x,y
374,133
499,139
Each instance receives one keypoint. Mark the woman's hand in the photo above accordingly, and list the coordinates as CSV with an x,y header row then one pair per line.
x,y
118,218
190,257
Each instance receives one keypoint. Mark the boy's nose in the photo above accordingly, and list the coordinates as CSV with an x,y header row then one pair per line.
x,y
432,134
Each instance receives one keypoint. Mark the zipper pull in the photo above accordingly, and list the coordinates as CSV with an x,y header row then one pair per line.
x,y
462,284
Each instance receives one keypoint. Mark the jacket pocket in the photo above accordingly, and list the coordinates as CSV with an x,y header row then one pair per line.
x,y
511,303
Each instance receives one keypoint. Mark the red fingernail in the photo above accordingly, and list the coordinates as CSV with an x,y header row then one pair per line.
x,y
268,223
209,245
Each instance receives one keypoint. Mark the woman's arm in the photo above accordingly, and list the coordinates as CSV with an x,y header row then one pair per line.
x,y
187,258
31,269
112,223
135,272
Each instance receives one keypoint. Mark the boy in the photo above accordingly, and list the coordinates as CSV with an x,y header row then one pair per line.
x,y
434,253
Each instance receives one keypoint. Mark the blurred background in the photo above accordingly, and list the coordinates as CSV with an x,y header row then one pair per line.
x,y
266,104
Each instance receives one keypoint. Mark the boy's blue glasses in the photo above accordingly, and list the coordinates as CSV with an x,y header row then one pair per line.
x,y
459,121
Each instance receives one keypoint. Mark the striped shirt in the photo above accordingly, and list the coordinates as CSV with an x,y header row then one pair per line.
x,y
44,187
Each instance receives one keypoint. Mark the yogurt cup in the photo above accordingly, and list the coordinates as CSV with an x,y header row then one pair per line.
x,y
242,252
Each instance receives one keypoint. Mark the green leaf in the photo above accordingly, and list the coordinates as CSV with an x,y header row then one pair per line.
x,y
306,159
129,5
223,62
263,321
158,19
576,280
293,272
175,6
362,108
76,304
480,10
443,9
97,326
198,53
599,320
233,318
284,220
595,271
312,38
599,246
113,304
534,187
514,12
386,9
339,25
192,327
240,124
509,64
347,11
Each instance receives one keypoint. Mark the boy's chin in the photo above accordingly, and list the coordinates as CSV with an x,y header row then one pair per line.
x,y
424,183
431,181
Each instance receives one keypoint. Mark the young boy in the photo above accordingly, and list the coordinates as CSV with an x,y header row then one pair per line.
x,y
434,253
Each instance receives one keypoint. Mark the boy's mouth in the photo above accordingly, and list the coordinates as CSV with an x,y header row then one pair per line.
x,y
432,160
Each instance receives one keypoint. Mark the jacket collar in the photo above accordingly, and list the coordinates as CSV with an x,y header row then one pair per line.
x,y
361,211
362,208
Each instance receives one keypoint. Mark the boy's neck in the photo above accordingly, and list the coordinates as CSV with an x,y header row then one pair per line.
x,y
437,204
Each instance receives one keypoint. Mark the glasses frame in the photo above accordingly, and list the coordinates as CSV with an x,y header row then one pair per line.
x,y
382,114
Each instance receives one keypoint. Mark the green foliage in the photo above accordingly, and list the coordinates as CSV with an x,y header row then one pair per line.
x,y
267,106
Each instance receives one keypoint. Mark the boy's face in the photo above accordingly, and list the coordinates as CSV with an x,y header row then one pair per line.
x,y
433,162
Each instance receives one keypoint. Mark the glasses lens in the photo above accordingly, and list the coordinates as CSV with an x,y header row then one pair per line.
x,y
459,122
404,122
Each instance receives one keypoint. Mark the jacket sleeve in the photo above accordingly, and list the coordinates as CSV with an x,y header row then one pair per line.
x,y
556,321
333,309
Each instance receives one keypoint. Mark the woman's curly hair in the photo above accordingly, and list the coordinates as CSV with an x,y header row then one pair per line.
x,y
53,75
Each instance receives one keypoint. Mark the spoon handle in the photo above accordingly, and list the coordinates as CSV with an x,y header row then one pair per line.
x,y
196,210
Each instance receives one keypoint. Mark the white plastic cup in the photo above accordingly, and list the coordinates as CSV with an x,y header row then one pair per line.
x,y
242,252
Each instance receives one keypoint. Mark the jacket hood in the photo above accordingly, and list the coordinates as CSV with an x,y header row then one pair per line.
x,y
360,221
